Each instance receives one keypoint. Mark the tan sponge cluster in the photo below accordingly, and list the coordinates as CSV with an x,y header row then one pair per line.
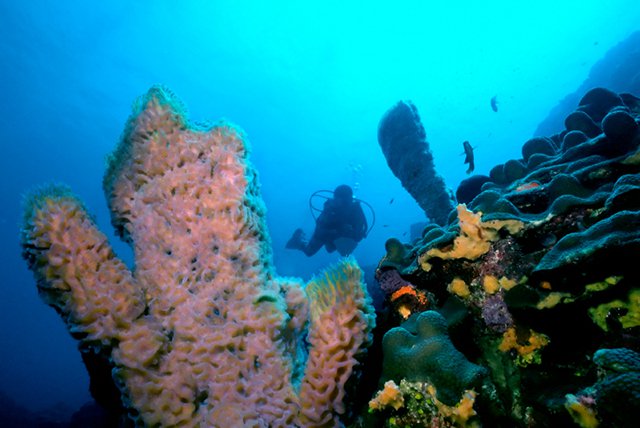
x,y
200,332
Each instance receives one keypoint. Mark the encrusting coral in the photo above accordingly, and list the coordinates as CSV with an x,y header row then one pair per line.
x,y
415,404
201,332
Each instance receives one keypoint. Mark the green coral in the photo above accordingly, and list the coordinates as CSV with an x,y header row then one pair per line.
x,y
618,393
398,254
630,319
615,398
618,231
618,360
420,351
565,184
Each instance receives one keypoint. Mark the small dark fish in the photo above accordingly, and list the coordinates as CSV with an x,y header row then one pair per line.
x,y
494,103
468,157
391,201
385,225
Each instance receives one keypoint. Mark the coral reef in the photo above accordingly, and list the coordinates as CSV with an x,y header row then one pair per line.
x,y
420,351
470,187
404,143
415,404
617,71
615,398
532,276
201,332
519,307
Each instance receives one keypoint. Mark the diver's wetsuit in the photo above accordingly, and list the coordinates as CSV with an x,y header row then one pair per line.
x,y
341,217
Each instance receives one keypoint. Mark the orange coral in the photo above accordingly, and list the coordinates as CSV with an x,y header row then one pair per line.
x,y
526,348
409,300
528,186
389,396
411,291
459,287
474,239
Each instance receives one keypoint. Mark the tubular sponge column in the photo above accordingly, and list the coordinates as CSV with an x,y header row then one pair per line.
x,y
404,144
201,332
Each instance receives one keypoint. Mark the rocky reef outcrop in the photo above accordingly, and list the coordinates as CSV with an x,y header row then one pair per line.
x,y
618,70
535,276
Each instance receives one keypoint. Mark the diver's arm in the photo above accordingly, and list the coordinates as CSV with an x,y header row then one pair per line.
x,y
326,214
362,226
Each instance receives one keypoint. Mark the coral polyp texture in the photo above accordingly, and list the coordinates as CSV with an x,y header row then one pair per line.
x,y
201,332
534,275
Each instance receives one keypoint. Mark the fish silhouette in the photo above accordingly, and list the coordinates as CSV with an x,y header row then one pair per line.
x,y
468,156
494,103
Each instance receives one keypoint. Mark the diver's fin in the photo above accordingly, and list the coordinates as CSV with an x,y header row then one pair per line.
x,y
296,242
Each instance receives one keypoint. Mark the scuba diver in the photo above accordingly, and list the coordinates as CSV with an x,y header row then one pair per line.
x,y
340,226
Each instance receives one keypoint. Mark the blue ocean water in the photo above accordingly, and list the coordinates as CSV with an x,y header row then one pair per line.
x,y
308,82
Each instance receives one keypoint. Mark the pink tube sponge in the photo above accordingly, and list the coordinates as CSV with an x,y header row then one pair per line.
x,y
201,333
335,328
